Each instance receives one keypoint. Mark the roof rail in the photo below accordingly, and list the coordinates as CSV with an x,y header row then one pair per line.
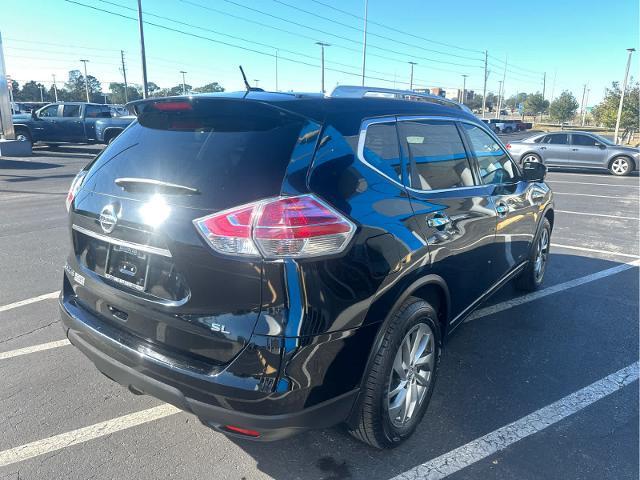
x,y
348,91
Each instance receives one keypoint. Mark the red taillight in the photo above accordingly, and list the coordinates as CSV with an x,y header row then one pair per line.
x,y
172,106
242,431
74,188
508,145
277,228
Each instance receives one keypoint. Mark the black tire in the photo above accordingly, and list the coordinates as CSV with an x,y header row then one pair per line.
x,y
531,278
372,422
621,166
23,135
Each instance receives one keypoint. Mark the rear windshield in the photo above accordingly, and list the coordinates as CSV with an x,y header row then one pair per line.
x,y
231,151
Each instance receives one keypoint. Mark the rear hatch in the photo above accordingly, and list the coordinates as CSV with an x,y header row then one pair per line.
x,y
149,273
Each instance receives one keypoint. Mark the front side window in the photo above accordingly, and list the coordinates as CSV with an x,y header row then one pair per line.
x,y
495,165
50,111
437,155
71,111
381,149
583,140
557,139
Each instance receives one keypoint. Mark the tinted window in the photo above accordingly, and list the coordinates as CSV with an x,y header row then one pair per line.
x,y
557,139
50,111
583,140
494,164
437,155
71,111
381,149
231,151
96,111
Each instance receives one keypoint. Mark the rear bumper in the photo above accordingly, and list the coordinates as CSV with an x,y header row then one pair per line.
x,y
219,399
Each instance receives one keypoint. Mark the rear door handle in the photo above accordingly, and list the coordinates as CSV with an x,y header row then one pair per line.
x,y
439,221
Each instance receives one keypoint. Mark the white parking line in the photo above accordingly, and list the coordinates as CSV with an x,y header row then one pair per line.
x,y
81,435
493,442
595,250
28,301
529,297
591,183
590,175
598,196
34,348
598,215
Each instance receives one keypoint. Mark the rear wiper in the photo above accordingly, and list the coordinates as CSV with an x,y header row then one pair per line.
x,y
149,184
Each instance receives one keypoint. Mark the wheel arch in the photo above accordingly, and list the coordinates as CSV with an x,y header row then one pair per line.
x,y
634,166
111,132
21,127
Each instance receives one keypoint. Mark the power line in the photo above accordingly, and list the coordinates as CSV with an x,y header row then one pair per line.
x,y
405,33
175,30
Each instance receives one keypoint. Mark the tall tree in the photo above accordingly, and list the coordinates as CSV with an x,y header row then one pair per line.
x,y
606,112
30,92
209,87
535,104
564,107
76,88
514,100
118,96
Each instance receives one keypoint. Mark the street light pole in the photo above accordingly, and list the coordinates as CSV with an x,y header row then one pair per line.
x,y
257,81
584,111
624,87
584,92
484,88
322,45
364,41
124,74
184,84
411,80
145,87
464,86
55,87
86,82
41,95
499,99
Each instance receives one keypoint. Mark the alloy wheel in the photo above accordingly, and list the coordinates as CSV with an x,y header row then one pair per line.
x,y
542,253
530,158
619,166
21,137
411,374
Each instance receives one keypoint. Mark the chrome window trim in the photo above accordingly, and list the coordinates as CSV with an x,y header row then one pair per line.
x,y
123,243
405,118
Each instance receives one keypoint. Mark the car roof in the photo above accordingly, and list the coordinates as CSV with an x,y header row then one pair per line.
x,y
318,106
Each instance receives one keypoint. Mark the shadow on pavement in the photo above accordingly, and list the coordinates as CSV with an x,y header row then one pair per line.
x,y
495,370
25,165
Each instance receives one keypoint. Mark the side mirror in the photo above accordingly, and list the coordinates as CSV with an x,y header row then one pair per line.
x,y
600,146
534,171
34,114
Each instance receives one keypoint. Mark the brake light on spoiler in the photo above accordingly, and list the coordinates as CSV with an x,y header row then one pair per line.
x,y
283,227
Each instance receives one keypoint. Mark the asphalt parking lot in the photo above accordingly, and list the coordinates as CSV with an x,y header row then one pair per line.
x,y
540,386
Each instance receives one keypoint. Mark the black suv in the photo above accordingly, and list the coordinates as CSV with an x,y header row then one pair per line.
x,y
277,262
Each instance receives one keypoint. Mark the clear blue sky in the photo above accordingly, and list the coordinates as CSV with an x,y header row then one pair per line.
x,y
575,42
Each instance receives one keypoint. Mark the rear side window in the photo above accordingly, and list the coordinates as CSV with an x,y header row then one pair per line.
x,y
494,164
557,139
96,111
436,154
381,149
231,151
71,111
584,140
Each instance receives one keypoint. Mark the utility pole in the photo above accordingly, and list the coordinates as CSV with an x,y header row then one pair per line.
x,y
55,87
86,80
553,85
277,70
124,74
544,84
624,87
499,99
484,88
584,113
582,106
41,87
504,77
184,84
464,86
411,80
364,42
145,87
322,45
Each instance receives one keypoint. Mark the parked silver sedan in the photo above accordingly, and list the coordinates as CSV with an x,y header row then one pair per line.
x,y
576,150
